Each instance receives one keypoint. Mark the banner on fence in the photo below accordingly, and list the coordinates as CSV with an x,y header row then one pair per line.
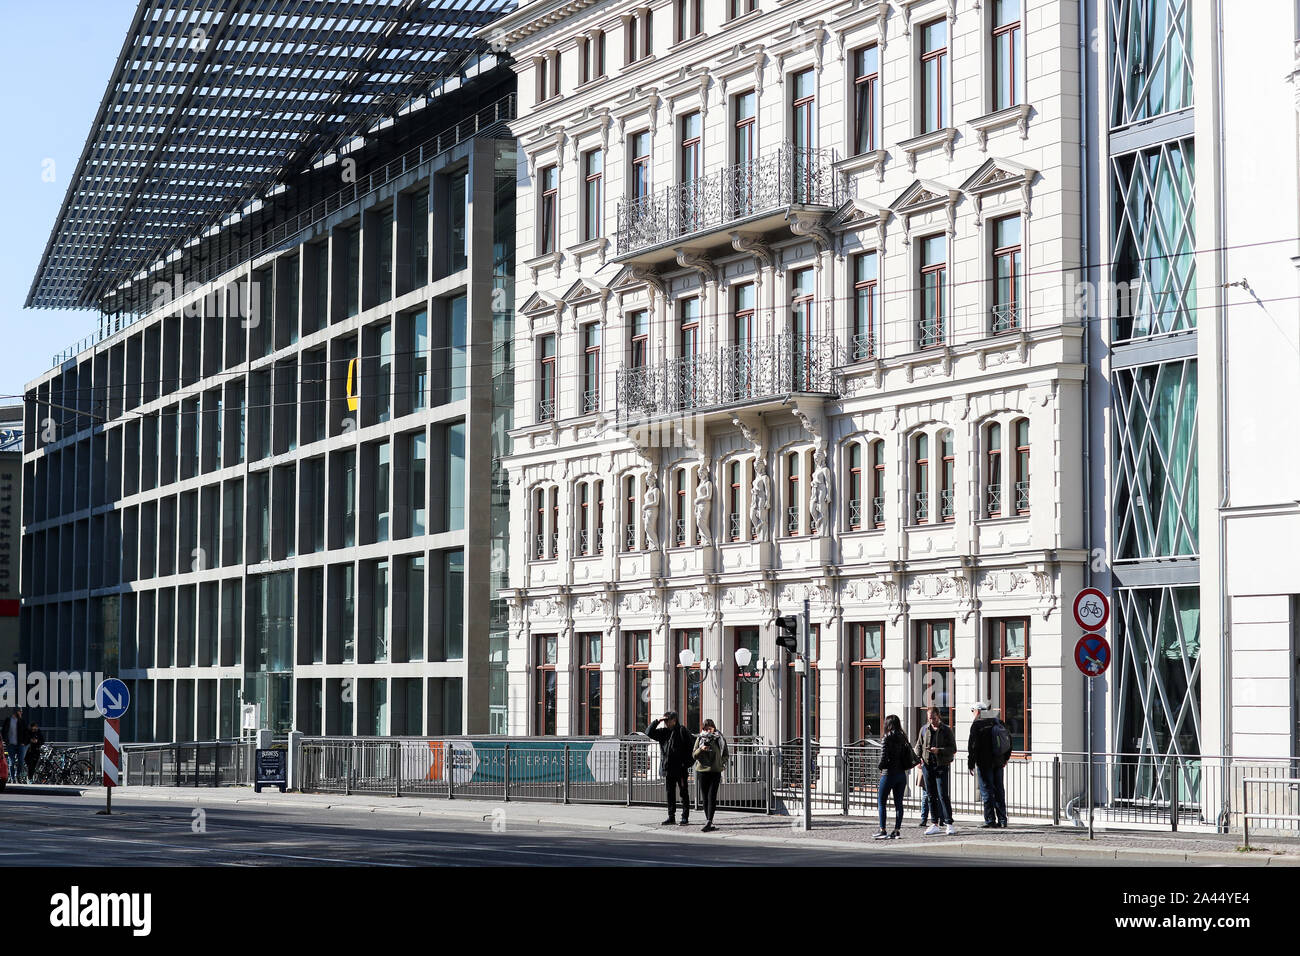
x,y
529,761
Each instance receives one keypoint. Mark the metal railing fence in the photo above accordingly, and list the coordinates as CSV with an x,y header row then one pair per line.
x,y
211,763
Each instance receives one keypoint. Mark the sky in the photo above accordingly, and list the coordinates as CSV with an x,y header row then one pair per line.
x,y
55,60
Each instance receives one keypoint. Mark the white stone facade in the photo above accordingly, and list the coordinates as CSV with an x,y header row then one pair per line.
x,y
732,564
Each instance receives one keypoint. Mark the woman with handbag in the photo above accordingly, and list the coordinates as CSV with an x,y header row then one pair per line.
x,y
896,759
710,760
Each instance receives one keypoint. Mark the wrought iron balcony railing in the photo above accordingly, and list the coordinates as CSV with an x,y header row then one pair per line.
x,y
878,512
787,176
994,500
754,371
947,507
855,513
1006,318
792,520
546,410
733,526
922,506
629,537
591,400
929,333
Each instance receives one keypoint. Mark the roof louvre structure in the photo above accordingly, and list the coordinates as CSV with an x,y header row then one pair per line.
x,y
214,102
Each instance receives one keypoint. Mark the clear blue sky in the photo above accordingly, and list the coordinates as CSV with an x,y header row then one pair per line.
x,y
55,60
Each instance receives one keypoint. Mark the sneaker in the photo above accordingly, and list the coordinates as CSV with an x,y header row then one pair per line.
x,y
685,822
669,822
923,824
882,835
951,829
988,826
708,828
934,830
895,835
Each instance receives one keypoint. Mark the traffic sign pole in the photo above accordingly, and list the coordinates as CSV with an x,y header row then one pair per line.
x,y
111,700
1088,683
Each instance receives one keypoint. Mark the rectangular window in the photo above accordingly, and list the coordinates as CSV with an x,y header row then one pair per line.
x,y
688,170
417,491
420,239
545,655
352,266
934,76
637,682
803,124
590,367
1008,275
934,276
589,697
794,699
379,610
415,611
639,324
1007,78
934,655
866,99
457,210
681,507
735,493
383,384
385,264
548,223
458,350
689,20
1008,656
381,498
866,650
689,338
689,677
746,694
453,605
792,494
743,146
593,166
855,485
803,327
546,378
878,483
630,513
456,477
639,172
866,280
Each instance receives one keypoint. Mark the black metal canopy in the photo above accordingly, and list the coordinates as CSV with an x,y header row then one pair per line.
x,y
214,102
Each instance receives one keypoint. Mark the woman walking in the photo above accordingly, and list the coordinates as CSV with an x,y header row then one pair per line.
x,y
896,759
710,760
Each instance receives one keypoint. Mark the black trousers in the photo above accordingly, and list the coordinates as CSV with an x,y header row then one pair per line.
x,y
675,780
709,783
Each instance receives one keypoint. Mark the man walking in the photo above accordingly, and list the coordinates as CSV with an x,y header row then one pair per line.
x,y
987,752
16,735
936,746
676,744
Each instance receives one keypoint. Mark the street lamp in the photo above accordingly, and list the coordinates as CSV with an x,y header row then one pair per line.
x,y
686,657
743,659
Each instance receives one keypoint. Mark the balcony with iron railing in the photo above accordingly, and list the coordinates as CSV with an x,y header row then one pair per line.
x,y
862,346
1022,497
758,195
755,373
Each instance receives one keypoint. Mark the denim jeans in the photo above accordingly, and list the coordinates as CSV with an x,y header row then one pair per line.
x,y
993,793
895,783
936,793
17,755
925,806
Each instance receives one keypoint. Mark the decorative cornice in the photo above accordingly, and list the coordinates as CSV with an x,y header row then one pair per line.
x,y
1018,114
926,141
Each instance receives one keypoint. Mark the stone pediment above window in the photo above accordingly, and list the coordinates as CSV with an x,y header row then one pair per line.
x,y
742,65
539,306
592,247
584,292
633,278
687,82
545,145
927,141
864,13
800,37
865,163
998,176
639,104
592,120
925,196
861,214
552,260
1017,115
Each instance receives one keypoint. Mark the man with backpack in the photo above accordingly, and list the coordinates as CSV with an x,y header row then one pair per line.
x,y
987,751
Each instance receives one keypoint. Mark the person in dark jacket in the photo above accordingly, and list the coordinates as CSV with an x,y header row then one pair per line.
x,y
15,730
896,759
936,745
980,757
676,744
35,741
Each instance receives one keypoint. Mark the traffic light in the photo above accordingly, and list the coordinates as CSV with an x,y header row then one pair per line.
x,y
787,633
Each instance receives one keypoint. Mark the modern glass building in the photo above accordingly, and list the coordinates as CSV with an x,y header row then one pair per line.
x,y
256,483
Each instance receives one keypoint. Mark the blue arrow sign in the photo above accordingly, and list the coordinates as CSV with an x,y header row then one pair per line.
x,y
112,698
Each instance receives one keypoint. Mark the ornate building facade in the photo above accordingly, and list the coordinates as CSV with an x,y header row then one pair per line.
x,y
792,326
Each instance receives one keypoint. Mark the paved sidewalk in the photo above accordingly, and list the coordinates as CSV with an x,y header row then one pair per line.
x,y
829,832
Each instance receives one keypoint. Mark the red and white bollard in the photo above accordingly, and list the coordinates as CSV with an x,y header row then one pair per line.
x,y
112,760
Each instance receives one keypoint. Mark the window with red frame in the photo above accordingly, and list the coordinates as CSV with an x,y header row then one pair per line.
x,y
589,697
794,698
688,685
1009,690
546,653
1020,428
855,485
934,657
866,665
636,691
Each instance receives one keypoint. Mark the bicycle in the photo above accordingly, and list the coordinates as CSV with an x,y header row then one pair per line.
x,y
63,767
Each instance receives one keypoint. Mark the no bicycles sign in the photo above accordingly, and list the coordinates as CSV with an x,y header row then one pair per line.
x,y
1091,609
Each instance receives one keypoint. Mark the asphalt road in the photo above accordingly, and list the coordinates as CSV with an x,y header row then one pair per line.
x,y
65,831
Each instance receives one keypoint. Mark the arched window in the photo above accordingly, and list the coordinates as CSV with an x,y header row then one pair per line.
x,y
993,470
598,519
1020,428
792,493
947,477
878,483
921,478
539,523
855,485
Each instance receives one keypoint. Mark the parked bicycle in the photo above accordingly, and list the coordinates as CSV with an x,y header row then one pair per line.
x,y
63,766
